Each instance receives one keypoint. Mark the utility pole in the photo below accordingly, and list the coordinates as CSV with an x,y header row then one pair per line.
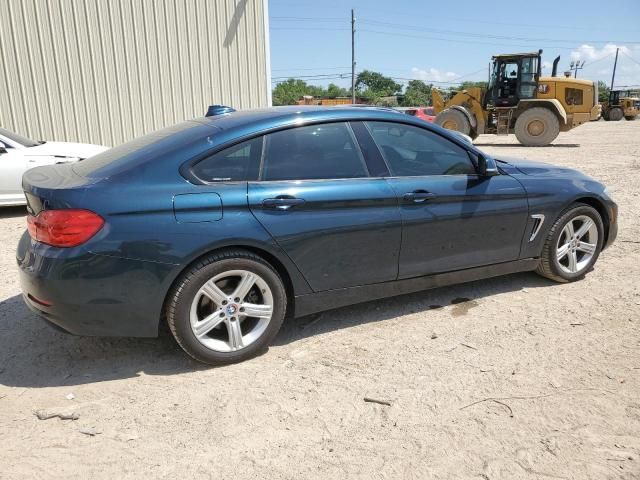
x,y
615,63
353,57
575,67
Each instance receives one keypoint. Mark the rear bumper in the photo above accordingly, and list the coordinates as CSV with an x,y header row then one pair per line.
x,y
92,295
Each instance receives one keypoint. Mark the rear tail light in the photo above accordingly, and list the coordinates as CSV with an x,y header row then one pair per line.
x,y
64,228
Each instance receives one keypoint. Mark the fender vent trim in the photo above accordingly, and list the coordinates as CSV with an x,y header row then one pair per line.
x,y
538,220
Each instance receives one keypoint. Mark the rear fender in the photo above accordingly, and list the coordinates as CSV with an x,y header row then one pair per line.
x,y
552,104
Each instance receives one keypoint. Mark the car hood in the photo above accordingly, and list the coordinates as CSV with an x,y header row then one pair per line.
x,y
66,149
539,169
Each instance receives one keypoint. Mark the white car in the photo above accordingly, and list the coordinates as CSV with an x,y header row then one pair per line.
x,y
18,154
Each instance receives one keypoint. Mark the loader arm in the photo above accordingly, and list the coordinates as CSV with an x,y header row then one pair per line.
x,y
469,100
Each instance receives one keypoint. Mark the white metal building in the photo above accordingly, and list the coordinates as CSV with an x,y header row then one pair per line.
x,y
106,71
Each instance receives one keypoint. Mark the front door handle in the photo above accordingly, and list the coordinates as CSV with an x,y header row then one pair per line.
x,y
418,196
281,202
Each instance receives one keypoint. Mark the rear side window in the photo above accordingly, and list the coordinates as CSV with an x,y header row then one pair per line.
x,y
237,163
411,151
326,151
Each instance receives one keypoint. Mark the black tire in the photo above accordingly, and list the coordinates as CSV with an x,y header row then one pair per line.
x,y
615,114
630,117
453,119
537,127
549,266
182,295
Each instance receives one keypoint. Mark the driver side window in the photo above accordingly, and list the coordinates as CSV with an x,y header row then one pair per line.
x,y
414,152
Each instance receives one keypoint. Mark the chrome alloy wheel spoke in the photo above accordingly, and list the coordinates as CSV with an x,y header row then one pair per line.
x,y
247,281
577,244
231,310
208,323
257,311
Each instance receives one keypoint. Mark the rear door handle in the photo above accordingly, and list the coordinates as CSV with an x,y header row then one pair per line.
x,y
283,202
418,196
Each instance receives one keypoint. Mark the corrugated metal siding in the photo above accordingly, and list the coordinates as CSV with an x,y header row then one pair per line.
x,y
106,71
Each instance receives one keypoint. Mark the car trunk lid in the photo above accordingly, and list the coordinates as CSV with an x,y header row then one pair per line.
x,y
54,186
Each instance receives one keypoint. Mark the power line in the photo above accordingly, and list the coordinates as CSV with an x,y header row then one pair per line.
x,y
630,57
299,69
482,35
590,64
474,42
303,19
326,76
309,28
389,13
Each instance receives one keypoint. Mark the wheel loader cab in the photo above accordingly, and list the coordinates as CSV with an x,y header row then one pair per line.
x,y
514,77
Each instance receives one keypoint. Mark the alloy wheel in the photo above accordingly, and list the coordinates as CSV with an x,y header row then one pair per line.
x,y
231,310
577,244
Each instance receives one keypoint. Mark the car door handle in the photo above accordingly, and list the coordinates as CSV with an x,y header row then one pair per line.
x,y
283,202
418,196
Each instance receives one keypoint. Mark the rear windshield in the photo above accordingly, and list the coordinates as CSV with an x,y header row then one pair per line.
x,y
133,151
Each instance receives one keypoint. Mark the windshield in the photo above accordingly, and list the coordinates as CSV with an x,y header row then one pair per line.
x,y
14,137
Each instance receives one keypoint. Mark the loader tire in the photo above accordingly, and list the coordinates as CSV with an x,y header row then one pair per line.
x,y
453,119
537,127
615,114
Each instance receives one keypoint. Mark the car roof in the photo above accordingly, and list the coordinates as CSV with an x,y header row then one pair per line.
x,y
244,123
296,114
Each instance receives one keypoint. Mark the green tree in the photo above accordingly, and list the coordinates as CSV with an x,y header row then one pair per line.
x,y
292,90
373,85
289,92
467,85
417,94
334,91
603,92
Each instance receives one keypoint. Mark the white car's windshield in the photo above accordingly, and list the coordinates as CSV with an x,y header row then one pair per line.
x,y
14,137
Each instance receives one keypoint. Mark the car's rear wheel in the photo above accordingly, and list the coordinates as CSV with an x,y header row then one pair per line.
x,y
537,127
227,307
573,244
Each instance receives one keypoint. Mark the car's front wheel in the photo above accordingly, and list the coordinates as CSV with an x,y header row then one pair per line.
x,y
572,245
227,307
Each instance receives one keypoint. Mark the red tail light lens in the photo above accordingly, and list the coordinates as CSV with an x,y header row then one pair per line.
x,y
64,228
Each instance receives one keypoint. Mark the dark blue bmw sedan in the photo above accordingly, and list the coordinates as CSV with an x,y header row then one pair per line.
x,y
226,224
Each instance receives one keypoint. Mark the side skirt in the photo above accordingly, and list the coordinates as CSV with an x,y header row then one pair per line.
x,y
330,299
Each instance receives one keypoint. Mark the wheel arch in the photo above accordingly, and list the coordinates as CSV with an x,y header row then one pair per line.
x,y
552,104
290,279
600,207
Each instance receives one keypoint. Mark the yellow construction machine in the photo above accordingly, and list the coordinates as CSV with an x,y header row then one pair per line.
x,y
520,100
622,103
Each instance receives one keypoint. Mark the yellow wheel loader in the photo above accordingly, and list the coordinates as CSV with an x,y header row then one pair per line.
x,y
519,100
622,103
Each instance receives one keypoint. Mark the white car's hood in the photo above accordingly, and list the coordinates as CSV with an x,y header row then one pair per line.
x,y
66,149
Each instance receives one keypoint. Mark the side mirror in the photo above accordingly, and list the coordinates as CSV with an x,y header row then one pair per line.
x,y
3,150
487,166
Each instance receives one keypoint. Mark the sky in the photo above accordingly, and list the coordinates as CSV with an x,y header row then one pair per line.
x,y
442,42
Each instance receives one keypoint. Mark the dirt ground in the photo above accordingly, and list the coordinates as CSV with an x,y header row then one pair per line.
x,y
526,379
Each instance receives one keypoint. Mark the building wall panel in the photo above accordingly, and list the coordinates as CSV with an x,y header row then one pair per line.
x,y
106,71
